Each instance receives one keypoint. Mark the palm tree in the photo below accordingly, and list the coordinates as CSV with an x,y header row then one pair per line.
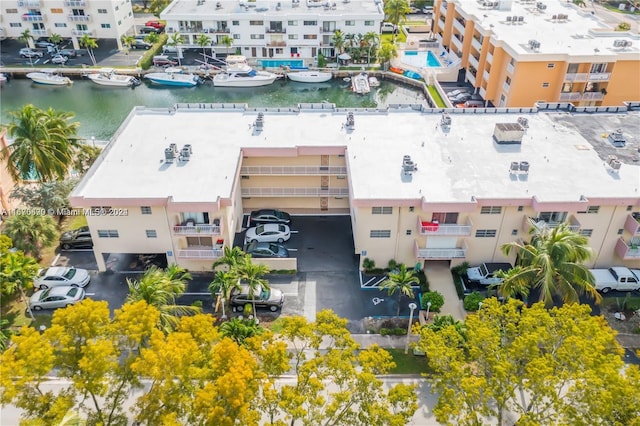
x,y
31,232
401,283
152,38
386,53
371,40
17,273
239,330
43,143
90,44
55,39
203,41
396,11
552,263
127,41
222,285
175,40
227,41
231,257
160,288
250,274
338,41
26,37
84,157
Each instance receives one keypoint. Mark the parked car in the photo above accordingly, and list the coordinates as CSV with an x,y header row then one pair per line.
x,y
169,49
164,61
268,233
460,99
457,92
57,297
414,10
43,44
69,53
154,24
261,297
57,276
471,104
149,30
140,44
27,52
387,27
78,238
428,10
269,216
59,59
257,249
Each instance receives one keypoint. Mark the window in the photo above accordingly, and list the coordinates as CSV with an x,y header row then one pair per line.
x,y
545,84
236,36
381,210
380,233
412,208
349,23
103,11
293,36
593,209
485,233
520,208
620,231
491,210
199,242
552,217
292,23
586,232
15,24
508,81
151,233
341,177
256,23
279,51
60,25
629,208
236,23
328,26
108,233
551,66
105,25
117,8
145,209
514,232
310,37
56,10
512,62
408,231
444,217
12,10
368,23
193,218
310,23
257,36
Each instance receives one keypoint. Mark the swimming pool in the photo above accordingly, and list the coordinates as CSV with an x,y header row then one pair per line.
x,y
277,63
421,59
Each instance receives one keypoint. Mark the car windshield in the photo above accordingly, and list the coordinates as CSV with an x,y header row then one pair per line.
x,y
71,272
260,230
45,294
281,228
264,294
73,291
274,248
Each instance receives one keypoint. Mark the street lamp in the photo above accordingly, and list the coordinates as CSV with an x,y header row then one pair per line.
x,y
428,307
413,307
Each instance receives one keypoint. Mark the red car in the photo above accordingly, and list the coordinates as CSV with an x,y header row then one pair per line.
x,y
154,24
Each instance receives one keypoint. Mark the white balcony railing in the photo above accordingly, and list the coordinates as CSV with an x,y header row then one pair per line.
x,y
443,8
506,86
458,26
476,44
470,78
457,43
446,229
489,58
82,32
293,170
592,96
75,3
601,76
295,192
483,92
441,253
510,68
196,229
485,76
575,77
473,61
29,3
33,18
570,96
79,18
39,32
207,253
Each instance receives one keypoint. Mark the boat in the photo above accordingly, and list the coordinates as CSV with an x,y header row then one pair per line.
x,y
173,77
374,82
360,84
238,73
412,74
310,76
49,77
396,70
108,77
3,79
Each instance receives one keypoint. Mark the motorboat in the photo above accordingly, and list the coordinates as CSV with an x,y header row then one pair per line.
x,y
412,74
396,70
49,77
173,77
242,75
3,79
374,82
109,77
360,84
310,76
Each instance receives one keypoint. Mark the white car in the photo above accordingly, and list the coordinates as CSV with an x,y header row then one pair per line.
x,y
58,276
57,297
268,233
59,59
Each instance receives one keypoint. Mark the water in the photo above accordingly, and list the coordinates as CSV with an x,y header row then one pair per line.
x,y
277,63
100,110
421,59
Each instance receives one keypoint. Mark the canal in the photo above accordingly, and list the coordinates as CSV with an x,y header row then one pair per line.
x,y
100,110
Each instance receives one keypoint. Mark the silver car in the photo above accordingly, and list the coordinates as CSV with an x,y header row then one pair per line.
x,y
58,276
268,233
57,297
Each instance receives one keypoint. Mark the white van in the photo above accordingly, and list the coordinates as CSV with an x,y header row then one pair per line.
x,y
387,27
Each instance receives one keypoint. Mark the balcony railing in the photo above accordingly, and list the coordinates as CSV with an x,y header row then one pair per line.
x,y
75,3
458,26
295,192
278,43
202,253
573,223
457,43
570,96
29,3
32,18
476,44
485,76
220,30
592,96
293,170
599,76
79,18
441,23
489,58
39,32
446,229
483,92
627,250
196,229
471,78
474,61
279,30
439,253
506,86
82,32
576,77
632,224
443,8
510,68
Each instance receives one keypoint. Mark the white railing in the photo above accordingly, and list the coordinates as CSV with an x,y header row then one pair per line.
x,y
210,253
483,92
75,3
592,96
441,23
33,18
600,76
456,42
295,192
473,61
79,18
471,78
476,43
458,25
576,77
196,229
485,76
29,3
505,86
443,8
427,228
441,253
293,170
570,96
489,58
82,32
40,32
510,68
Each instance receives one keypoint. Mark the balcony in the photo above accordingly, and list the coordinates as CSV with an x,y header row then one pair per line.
x,y
506,86
474,61
632,224
483,92
200,253
443,8
489,58
477,44
277,43
75,3
459,25
599,76
592,96
441,24
32,18
576,77
293,170
628,251
277,30
40,33
295,192
573,223
457,42
570,96
470,77
82,32
79,18
445,229
198,229
510,68
485,76
439,253
220,30
30,3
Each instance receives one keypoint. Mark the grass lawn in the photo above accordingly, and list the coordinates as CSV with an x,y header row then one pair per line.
x,y
409,363
436,97
388,38
15,311
632,302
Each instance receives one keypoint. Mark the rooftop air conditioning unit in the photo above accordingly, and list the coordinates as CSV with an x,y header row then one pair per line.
x,y
169,155
508,133
259,123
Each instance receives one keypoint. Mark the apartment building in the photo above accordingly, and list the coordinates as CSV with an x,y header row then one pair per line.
x,y
519,52
269,29
100,19
176,182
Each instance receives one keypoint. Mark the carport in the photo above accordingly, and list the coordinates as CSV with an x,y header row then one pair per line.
x,y
133,262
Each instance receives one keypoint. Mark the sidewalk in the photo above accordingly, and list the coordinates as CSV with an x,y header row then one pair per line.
x,y
440,280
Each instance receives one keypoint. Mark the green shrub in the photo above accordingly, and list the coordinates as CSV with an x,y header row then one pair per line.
x,y
147,59
472,301
436,299
368,264
392,265
457,281
197,304
248,309
460,270
424,282
397,331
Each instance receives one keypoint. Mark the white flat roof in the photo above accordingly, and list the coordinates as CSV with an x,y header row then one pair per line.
x,y
580,34
565,153
269,8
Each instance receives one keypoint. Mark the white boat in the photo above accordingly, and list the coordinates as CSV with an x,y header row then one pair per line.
x,y
3,79
374,82
310,76
360,84
108,77
238,73
173,77
49,77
